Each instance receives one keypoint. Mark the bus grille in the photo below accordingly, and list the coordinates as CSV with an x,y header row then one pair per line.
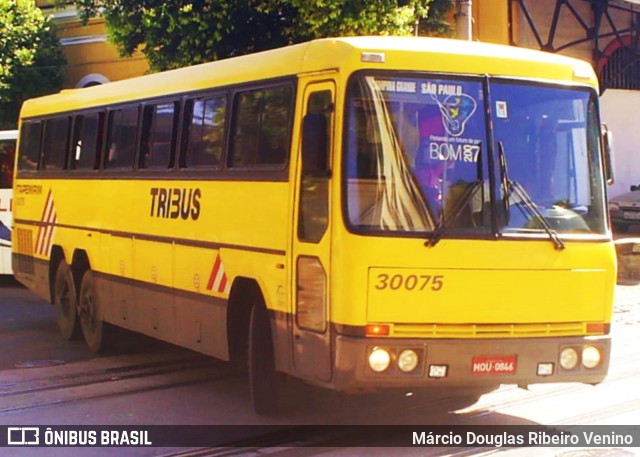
x,y
23,255
488,330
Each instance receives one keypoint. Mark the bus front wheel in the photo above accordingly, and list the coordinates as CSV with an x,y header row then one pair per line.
x,y
97,333
265,383
65,302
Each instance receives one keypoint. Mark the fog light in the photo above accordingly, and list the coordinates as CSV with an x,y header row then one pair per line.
x,y
437,371
379,360
408,360
590,357
568,358
545,369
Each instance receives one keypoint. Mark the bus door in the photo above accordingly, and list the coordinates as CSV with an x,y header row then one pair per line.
x,y
311,234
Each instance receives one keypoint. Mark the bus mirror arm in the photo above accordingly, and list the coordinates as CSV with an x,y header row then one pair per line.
x,y
315,150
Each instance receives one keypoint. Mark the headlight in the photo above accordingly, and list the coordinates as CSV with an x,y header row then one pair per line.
x,y
568,358
408,360
379,360
590,357
614,206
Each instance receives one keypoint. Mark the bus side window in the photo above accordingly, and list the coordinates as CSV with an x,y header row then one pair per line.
x,y
121,144
56,144
261,131
30,141
87,141
204,143
158,134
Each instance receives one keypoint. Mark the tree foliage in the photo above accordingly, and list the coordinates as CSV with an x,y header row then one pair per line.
x,y
31,60
176,33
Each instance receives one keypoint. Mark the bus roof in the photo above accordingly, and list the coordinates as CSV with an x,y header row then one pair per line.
x,y
345,54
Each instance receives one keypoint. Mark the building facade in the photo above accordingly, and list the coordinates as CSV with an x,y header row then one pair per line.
x,y
603,32
90,57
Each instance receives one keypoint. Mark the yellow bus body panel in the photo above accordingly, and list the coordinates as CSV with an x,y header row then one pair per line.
x,y
504,294
107,213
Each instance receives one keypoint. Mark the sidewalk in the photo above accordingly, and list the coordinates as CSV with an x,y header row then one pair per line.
x,y
626,307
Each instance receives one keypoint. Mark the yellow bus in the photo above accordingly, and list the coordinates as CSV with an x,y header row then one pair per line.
x,y
366,212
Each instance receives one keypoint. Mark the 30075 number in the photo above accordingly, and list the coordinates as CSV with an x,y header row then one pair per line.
x,y
410,282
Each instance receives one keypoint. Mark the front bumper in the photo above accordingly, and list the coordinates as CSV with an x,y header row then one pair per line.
x,y
462,358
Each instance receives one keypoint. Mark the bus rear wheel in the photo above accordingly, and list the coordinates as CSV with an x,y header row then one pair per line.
x,y
265,383
97,333
65,302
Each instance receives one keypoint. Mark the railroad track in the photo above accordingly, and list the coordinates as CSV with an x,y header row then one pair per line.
x,y
22,389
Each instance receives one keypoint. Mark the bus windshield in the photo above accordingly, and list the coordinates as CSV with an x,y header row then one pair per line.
x,y
422,154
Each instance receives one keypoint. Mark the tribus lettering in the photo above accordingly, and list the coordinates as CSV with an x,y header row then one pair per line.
x,y
173,203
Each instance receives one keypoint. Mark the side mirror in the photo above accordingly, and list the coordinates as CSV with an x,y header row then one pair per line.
x,y
607,153
315,142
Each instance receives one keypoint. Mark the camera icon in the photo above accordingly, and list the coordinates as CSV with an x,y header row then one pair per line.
x,y
23,436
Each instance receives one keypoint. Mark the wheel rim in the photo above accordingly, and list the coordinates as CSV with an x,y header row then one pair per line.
x,y
92,325
87,310
65,300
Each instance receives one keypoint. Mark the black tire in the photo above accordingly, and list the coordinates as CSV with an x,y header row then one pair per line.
x,y
97,334
65,301
265,383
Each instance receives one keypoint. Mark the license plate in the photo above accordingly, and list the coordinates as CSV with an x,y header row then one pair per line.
x,y
631,215
494,365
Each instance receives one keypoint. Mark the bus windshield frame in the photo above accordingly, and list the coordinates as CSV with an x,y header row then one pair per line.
x,y
475,156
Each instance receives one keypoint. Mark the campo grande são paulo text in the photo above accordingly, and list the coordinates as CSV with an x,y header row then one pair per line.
x,y
537,438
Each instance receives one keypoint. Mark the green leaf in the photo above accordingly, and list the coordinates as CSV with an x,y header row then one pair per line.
x,y
182,32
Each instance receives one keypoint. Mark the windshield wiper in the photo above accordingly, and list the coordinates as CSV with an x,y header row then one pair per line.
x,y
509,186
441,226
